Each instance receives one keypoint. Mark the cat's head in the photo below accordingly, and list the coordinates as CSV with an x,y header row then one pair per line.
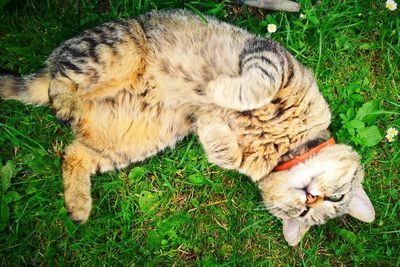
x,y
325,186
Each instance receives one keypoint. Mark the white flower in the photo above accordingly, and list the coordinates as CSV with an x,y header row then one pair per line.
x,y
302,16
391,5
392,131
390,138
271,27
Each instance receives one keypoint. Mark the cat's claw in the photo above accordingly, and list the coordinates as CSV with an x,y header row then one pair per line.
x,y
62,122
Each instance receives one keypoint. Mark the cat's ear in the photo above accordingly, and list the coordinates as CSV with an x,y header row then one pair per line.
x,y
360,206
293,231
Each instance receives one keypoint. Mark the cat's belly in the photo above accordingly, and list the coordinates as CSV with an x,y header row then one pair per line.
x,y
129,129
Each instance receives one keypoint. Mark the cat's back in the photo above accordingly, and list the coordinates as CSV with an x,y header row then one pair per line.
x,y
183,28
165,44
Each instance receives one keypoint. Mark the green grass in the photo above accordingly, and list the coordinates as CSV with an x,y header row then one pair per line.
x,y
175,208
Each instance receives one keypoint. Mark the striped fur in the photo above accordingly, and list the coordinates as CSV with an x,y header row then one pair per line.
x,y
132,87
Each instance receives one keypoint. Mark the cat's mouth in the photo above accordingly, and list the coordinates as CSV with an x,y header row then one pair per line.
x,y
310,200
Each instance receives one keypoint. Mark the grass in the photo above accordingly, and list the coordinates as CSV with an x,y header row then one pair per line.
x,y
175,208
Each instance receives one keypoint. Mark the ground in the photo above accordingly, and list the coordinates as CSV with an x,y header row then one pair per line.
x,y
175,208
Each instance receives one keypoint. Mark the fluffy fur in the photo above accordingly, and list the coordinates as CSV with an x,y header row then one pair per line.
x,y
130,88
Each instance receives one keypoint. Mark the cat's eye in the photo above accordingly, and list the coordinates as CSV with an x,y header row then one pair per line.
x,y
304,212
335,198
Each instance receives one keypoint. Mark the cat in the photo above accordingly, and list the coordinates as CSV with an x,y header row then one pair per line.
x,y
132,87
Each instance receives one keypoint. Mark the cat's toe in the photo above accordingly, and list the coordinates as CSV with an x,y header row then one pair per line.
x,y
78,208
66,116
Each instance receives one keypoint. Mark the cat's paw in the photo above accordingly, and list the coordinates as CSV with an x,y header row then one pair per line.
x,y
219,143
66,108
78,205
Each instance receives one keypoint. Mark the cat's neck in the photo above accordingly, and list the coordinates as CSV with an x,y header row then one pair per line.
x,y
301,149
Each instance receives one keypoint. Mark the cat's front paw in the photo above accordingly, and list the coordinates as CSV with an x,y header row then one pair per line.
x,y
78,205
66,108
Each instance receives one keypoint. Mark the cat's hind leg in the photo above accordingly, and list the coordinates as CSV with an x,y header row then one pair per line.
x,y
95,65
79,162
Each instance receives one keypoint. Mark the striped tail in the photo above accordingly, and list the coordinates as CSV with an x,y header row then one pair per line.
x,y
31,89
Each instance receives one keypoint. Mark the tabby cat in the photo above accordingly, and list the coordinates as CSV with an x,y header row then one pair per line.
x,y
132,87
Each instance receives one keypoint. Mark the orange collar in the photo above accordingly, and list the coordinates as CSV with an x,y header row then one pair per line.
x,y
299,159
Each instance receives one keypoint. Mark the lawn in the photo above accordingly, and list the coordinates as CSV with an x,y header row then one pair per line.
x,y
176,208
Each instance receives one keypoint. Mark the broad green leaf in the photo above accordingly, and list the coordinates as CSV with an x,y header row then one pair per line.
x,y
357,98
366,112
357,124
197,179
343,117
313,19
173,222
11,196
137,173
370,136
7,172
350,113
148,201
351,131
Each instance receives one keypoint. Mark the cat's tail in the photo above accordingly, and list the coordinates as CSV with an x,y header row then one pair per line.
x,y
31,89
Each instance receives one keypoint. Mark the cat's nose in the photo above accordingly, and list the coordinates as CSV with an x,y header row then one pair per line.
x,y
311,198
313,190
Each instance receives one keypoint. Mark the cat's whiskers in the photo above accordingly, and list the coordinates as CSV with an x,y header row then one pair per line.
x,y
275,206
